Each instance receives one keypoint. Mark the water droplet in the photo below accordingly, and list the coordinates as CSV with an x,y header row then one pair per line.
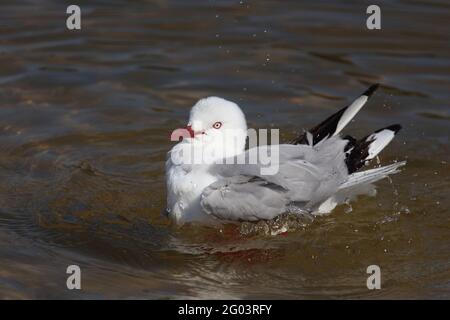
x,y
349,207
404,209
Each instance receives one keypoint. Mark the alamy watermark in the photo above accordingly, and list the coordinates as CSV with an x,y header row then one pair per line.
x,y
74,280
374,280
227,147
373,22
73,22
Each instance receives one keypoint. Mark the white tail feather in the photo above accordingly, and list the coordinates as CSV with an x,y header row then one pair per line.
x,y
372,175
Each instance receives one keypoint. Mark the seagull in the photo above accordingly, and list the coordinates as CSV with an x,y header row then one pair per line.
x,y
317,171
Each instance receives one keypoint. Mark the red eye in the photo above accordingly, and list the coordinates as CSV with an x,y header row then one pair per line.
x,y
217,125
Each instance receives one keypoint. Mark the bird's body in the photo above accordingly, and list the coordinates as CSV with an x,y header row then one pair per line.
x,y
185,185
207,184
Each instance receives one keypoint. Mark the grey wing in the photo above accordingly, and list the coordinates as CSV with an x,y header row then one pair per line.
x,y
287,169
305,175
244,198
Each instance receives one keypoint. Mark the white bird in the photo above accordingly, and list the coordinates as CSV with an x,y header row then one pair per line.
x,y
316,171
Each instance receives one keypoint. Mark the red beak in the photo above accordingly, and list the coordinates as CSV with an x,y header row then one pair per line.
x,y
191,132
180,133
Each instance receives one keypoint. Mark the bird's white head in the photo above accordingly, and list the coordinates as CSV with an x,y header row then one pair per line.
x,y
218,127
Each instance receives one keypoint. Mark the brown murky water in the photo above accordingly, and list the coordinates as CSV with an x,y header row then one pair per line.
x,y
84,124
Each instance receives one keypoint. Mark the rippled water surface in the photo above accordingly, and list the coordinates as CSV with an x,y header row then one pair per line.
x,y
85,118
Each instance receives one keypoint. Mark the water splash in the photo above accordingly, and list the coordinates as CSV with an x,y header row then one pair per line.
x,y
284,223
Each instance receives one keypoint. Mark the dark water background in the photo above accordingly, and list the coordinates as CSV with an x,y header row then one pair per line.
x,y
85,118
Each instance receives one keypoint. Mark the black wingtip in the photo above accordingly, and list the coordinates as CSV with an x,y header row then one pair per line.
x,y
395,127
371,90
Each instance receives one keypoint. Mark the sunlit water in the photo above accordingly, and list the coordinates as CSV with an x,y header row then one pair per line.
x,y
85,118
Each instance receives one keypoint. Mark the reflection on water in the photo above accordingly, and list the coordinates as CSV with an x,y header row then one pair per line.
x,y
85,118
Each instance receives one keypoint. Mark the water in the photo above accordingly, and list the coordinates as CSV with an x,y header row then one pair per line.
x,y
85,118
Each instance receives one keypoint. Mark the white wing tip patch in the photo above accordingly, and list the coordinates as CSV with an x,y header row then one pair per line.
x,y
380,140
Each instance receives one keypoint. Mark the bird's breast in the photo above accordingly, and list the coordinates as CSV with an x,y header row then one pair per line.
x,y
184,190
